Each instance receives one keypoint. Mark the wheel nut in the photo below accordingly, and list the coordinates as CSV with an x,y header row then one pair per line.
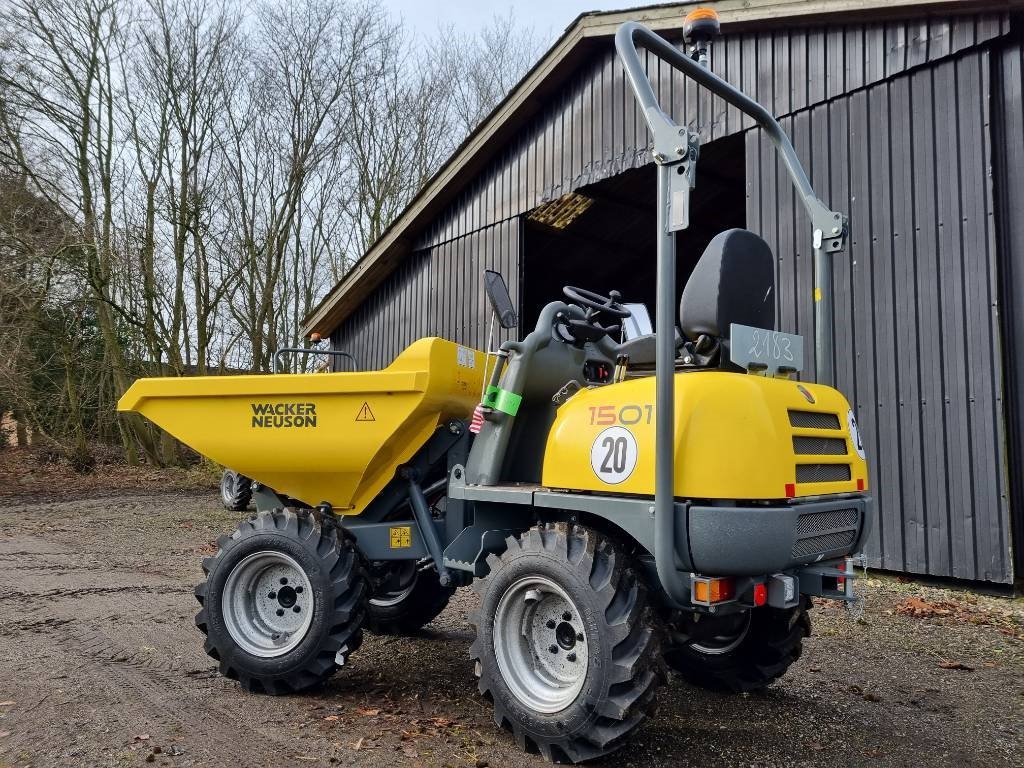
x,y
579,636
284,580
296,609
553,648
280,611
272,595
566,616
298,590
571,657
550,624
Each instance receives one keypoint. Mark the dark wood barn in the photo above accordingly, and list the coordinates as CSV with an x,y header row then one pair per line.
x,y
908,116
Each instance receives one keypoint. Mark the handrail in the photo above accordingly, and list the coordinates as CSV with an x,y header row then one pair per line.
x,y
672,147
305,350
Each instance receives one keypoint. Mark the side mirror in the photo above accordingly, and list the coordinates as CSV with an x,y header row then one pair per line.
x,y
501,302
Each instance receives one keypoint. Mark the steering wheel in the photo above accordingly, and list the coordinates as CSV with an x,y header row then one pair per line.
x,y
609,304
579,331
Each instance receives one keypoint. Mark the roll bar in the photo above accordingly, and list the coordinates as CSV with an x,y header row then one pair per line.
x,y
675,152
335,353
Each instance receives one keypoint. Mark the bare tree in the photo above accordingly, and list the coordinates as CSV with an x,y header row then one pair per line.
x,y
484,68
181,181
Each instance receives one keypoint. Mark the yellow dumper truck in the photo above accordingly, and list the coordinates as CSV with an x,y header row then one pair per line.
x,y
621,505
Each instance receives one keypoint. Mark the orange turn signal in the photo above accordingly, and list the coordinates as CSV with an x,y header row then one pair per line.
x,y
708,591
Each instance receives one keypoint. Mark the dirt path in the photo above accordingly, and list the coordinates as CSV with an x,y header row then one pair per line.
x,y
100,665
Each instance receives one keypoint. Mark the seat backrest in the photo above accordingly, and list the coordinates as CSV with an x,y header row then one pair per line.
x,y
734,282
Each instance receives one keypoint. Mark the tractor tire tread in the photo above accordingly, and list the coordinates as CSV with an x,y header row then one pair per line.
x,y
343,569
630,622
773,645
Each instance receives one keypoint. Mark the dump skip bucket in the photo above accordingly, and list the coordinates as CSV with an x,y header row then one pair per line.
x,y
320,437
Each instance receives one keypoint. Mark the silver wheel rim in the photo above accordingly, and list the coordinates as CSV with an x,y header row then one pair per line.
x,y
540,644
395,596
227,488
724,642
267,604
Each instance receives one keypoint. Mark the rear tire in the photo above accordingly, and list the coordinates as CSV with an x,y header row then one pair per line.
x,y
235,491
284,602
744,657
412,603
567,588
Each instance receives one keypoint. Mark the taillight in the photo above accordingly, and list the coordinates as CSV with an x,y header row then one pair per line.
x,y
710,590
760,595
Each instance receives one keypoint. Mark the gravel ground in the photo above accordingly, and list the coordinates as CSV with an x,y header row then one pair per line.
x,y
100,665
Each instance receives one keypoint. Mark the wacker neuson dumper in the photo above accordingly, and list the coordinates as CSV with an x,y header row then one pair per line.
x,y
622,503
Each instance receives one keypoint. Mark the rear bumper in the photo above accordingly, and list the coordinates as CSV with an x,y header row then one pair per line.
x,y
752,541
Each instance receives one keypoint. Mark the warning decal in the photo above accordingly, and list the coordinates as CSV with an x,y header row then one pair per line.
x,y
365,414
401,537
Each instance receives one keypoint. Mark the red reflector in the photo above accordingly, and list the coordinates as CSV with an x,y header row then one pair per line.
x,y
760,595
860,483
790,490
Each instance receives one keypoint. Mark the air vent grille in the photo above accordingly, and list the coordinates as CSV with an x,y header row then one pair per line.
x,y
819,446
813,523
819,545
813,420
822,473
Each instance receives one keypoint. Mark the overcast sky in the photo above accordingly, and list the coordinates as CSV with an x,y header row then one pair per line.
x,y
548,17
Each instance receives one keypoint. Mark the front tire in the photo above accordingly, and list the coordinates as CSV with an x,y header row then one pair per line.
x,y
567,647
284,602
744,653
235,491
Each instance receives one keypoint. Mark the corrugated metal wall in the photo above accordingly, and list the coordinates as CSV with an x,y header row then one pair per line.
x,y
1009,166
433,293
593,130
905,149
917,317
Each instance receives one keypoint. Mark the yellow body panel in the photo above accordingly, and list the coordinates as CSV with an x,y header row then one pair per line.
x,y
320,437
734,439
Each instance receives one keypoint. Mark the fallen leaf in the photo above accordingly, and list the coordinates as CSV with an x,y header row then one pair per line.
x,y
331,718
872,697
368,712
921,609
358,745
142,737
410,752
947,664
6,703
4,734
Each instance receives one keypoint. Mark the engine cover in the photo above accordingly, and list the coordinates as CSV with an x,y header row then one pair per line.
x,y
738,436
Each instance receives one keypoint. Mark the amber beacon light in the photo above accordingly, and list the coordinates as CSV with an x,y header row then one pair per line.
x,y
699,27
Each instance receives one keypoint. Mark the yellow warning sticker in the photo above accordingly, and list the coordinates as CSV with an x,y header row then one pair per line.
x,y
401,537
365,414
817,294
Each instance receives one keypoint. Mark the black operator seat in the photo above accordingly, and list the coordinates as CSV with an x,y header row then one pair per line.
x,y
733,282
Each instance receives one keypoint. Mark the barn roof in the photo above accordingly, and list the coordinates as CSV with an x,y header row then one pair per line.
x,y
586,32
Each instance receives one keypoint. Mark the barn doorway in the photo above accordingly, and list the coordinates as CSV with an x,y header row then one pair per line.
x,y
603,237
